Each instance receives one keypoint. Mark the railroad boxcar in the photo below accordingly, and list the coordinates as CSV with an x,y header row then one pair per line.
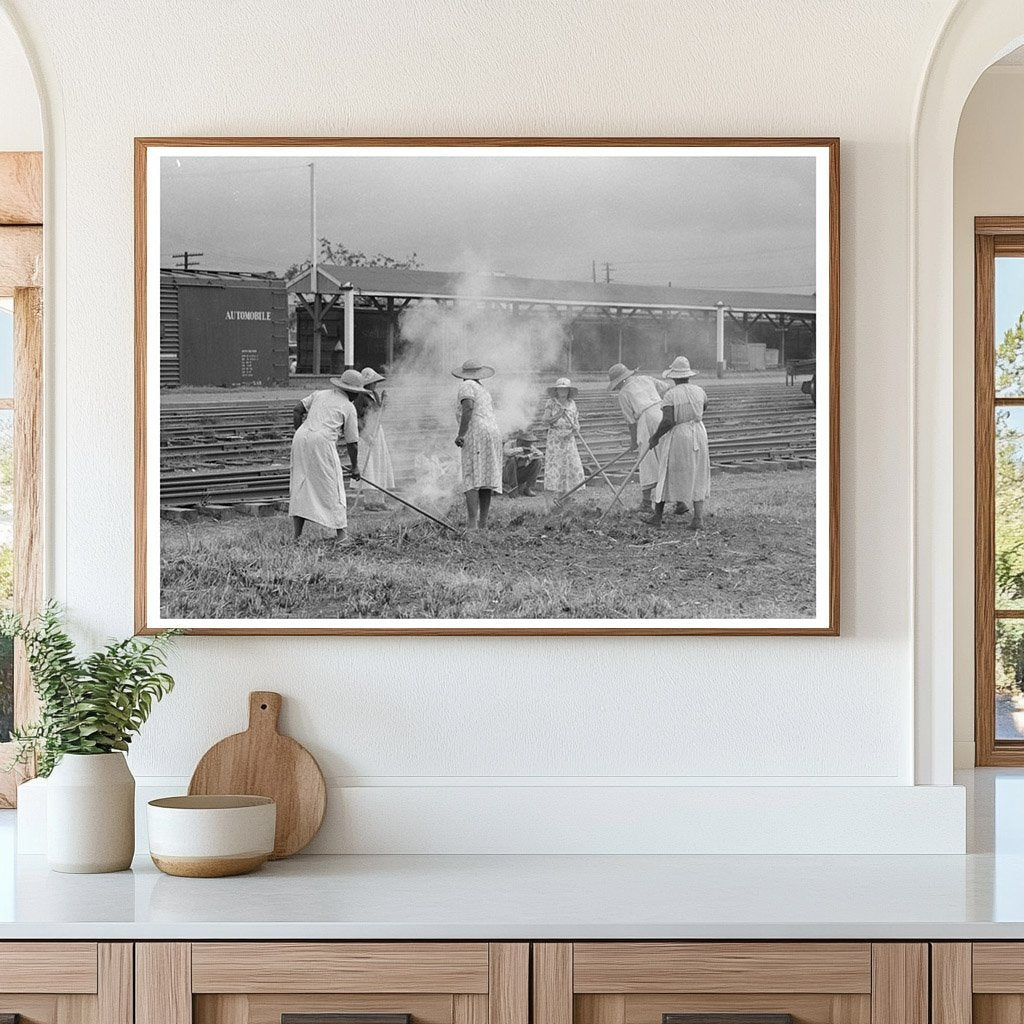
x,y
222,329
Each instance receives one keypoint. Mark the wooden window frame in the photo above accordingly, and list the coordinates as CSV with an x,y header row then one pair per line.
x,y
21,278
993,237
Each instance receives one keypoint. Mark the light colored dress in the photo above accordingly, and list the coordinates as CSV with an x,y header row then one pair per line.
x,y
685,461
481,450
374,454
640,401
563,469
317,491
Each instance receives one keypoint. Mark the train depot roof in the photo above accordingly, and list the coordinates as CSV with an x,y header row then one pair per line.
x,y
386,282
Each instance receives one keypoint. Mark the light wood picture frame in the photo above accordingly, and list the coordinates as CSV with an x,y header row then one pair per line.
x,y
192,415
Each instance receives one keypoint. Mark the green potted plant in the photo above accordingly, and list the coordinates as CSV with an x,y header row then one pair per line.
x,y
90,708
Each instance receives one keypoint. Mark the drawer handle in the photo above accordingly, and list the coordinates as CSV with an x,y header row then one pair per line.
x,y
727,1018
339,1018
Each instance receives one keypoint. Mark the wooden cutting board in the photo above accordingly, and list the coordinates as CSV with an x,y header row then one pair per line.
x,y
262,762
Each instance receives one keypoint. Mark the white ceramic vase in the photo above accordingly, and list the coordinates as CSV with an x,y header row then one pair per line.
x,y
90,814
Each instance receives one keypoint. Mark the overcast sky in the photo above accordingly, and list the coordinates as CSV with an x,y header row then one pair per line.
x,y
722,222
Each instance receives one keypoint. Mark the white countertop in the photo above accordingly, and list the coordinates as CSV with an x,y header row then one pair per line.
x,y
978,896
517,897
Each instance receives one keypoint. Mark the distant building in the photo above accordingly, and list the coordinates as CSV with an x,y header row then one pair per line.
x,y
605,323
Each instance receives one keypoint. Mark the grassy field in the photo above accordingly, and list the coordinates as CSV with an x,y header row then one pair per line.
x,y
754,559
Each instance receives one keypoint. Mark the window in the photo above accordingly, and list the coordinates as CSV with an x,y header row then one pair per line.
x,y
999,490
21,364
20,502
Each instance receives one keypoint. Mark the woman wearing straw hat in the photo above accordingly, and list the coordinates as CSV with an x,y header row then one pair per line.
x,y
374,454
480,440
563,469
685,463
317,490
640,402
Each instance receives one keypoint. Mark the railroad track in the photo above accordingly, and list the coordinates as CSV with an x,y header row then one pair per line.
x,y
229,453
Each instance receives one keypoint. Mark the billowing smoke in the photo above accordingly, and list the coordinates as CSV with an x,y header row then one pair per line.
x,y
526,350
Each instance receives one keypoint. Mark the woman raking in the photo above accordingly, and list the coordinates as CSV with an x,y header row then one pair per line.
x,y
374,454
317,490
563,469
685,461
479,438
640,402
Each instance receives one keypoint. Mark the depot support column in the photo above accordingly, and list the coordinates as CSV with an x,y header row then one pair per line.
x,y
720,338
350,327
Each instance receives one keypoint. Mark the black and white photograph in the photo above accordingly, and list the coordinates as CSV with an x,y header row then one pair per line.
x,y
452,386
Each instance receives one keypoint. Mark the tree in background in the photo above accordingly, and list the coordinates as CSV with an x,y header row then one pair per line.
x,y
342,256
1009,511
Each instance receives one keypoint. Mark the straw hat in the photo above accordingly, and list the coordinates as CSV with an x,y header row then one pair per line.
x,y
526,435
350,380
680,369
473,369
617,374
563,382
370,376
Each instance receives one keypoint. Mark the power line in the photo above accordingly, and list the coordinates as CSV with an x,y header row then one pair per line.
x,y
185,256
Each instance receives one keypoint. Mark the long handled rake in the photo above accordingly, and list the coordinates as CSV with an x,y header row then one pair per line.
x,y
580,437
415,508
601,468
582,441
622,486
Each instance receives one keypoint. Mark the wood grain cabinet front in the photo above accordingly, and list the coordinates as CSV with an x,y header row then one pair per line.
x,y
730,983
332,983
66,982
978,983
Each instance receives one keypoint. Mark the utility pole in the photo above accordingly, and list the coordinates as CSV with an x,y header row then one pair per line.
x,y
593,270
186,256
607,273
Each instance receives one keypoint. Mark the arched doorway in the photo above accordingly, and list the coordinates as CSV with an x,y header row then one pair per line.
x,y
977,33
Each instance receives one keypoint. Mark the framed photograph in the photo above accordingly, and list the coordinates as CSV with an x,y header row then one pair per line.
x,y
491,386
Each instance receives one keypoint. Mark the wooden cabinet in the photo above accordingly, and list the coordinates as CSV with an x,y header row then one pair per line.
x,y
752,982
978,983
494,983
66,982
311,982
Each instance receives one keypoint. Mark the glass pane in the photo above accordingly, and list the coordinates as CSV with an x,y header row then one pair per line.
x,y
6,567
1009,340
1009,679
6,353
1009,539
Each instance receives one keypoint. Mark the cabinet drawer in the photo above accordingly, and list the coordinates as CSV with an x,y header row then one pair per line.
x,y
730,983
340,967
66,982
634,967
332,983
65,967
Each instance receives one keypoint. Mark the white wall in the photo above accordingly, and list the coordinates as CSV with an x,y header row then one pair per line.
x,y
21,126
987,181
431,716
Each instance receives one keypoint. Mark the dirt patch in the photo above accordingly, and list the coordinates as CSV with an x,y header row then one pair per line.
x,y
754,559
